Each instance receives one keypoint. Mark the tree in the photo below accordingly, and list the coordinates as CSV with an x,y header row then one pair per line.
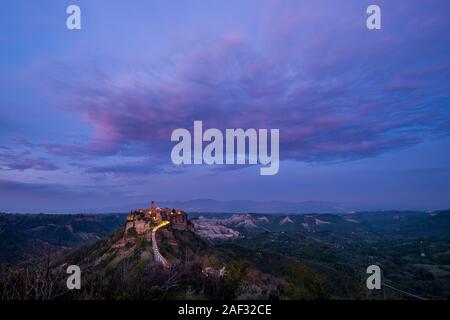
x,y
235,272
303,283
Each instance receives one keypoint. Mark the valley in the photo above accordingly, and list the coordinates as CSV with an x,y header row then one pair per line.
x,y
237,256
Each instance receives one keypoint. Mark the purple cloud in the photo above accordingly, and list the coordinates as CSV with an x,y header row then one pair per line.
x,y
336,90
96,109
10,161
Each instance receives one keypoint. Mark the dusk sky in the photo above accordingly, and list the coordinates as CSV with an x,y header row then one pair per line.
x,y
86,115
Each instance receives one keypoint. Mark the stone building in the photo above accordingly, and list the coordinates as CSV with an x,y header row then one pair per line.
x,y
154,215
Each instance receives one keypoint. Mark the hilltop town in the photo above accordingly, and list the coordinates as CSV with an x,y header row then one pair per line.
x,y
148,219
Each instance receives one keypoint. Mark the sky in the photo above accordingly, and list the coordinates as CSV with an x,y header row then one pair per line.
x,y
86,115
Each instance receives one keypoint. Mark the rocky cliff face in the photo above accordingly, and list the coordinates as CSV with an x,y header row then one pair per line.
x,y
228,228
213,229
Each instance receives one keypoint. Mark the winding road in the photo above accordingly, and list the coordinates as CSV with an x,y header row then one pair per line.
x,y
158,256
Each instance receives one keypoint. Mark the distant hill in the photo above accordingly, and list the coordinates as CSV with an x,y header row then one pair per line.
x,y
394,224
25,236
241,206
232,206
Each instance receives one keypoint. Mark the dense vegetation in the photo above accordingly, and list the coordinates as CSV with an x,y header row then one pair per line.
x,y
304,259
27,236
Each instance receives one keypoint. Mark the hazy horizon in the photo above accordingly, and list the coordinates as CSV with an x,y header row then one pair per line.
x,y
233,206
